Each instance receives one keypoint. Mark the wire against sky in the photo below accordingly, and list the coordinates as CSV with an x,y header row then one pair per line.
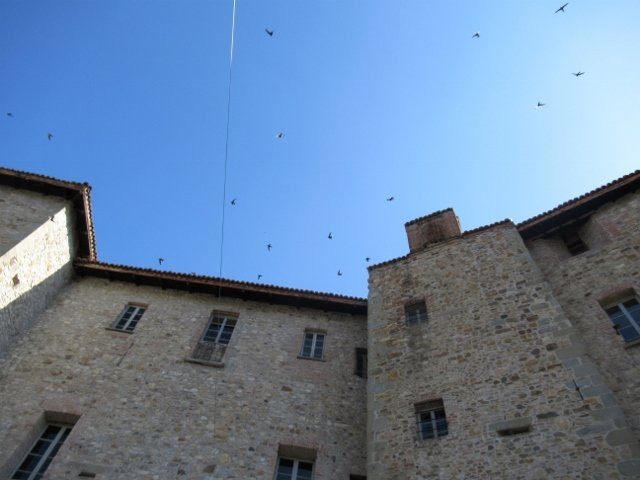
x,y
226,143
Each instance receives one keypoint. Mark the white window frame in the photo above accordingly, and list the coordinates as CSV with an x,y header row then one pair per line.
x,y
137,308
296,464
425,408
313,344
627,315
46,455
226,317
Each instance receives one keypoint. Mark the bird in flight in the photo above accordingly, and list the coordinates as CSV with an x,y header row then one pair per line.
x,y
540,104
330,236
160,260
51,218
339,273
269,247
280,135
259,276
391,199
269,32
367,259
578,74
49,135
561,9
9,114
476,35
233,202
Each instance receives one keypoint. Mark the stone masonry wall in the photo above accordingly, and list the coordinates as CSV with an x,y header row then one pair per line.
x,y
35,258
583,284
146,413
499,351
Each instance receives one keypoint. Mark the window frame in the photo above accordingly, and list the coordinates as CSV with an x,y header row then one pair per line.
x,y
619,304
361,353
316,334
225,316
47,456
296,465
137,308
412,315
431,407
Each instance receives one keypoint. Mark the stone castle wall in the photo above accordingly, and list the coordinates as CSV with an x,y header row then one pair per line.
x,y
35,258
584,284
499,351
146,413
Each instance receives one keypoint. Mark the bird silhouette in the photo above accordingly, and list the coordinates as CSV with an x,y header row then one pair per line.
x,y
51,218
160,260
578,74
391,199
540,104
269,32
233,202
259,276
280,135
476,35
49,136
367,259
330,236
339,273
269,247
561,9
9,114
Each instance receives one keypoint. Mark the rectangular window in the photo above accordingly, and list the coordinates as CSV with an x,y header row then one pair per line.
x,y
289,469
129,318
312,345
431,419
415,313
626,319
216,337
361,362
42,452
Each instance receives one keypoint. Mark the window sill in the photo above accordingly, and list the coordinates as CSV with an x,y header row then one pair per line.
x,y
311,358
206,363
635,343
128,332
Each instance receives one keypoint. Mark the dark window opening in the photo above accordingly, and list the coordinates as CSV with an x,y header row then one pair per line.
x,y
415,313
361,362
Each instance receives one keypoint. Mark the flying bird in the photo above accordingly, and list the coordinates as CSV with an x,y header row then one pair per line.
x,y
330,236
259,276
269,247
269,32
51,218
339,273
578,74
280,135
540,104
561,9
9,114
367,259
476,35
391,199
160,260
233,202
49,136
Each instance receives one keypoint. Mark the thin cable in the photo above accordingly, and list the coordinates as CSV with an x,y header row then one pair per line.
x,y
226,143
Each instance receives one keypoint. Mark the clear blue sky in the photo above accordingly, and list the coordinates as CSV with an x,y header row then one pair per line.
x,y
376,98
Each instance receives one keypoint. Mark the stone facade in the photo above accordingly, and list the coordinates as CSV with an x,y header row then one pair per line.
x,y
514,345
36,251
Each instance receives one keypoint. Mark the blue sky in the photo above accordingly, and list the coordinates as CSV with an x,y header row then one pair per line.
x,y
375,98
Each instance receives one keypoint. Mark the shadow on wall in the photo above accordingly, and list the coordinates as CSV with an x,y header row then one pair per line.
x,y
20,315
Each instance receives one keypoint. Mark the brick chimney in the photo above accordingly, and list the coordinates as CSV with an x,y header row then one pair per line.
x,y
432,228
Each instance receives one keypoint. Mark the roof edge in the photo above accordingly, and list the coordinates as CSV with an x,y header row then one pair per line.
x,y
223,287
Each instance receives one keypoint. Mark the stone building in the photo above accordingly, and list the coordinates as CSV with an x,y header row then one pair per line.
x,y
508,351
